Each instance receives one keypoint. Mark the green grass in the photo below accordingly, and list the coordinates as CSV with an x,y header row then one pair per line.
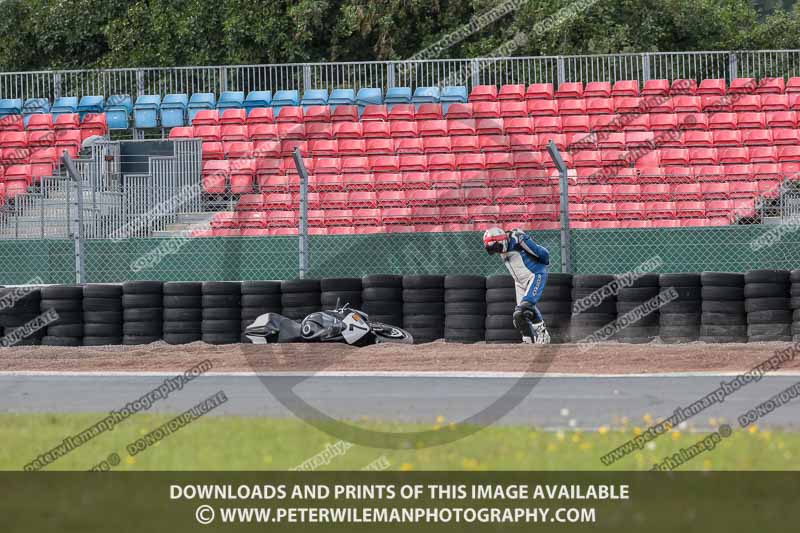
x,y
240,443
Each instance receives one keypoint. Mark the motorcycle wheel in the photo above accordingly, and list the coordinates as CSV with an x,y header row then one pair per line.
x,y
386,333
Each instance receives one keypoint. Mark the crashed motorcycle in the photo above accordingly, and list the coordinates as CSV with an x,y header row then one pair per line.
x,y
343,324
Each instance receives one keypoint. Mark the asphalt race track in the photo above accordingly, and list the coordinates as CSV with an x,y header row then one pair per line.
x,y
554,401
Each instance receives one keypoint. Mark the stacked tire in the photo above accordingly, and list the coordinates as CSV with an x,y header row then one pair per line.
x,y
183,312
723,317
300,297
556,306
464,309
222,312
258,298
102,315
340,291
645,329
423,307
67,301
794,302
142,312
501,299
23,305
679,320
767,303
590,311
382,298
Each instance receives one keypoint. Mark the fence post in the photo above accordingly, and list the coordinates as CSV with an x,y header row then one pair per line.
x,y
307,77
390,75
566,243
303,230
645,67
56,85
732,65
80,271
560,71
139,82
475,67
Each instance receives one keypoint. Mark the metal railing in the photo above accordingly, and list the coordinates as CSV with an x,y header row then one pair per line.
x,y
386,74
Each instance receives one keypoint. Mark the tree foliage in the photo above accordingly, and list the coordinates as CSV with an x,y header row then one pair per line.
x,y
44,34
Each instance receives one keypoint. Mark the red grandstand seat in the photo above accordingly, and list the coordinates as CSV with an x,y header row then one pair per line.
x,y
685,191
466,143
611,141
742,189
252,219
367,217
14,139
686,104
207,133
212,150
544,212
702,156
788,153
319,130
715,104
660,209
539,91
712,87
635,139
453,214
388,181
333,200
597,89
262,132
403,128
549,124
674,156
483,93
599,106
215,176
469,161
271,182
692,121
649,160
625,88
741,171
411,145
376,128
288,165
722,121
483,213
267,166
42,161
416,180
344,113
677,174
683,86
401,112
347,130
747,102
784,136
69,140
445,178
351,146
572,106
358,164
527,159
448,196
263,149
655,191
261,115
771,86
518,125
288,146
757,137
733,155
715,190
233,116
558,139
486,109
511,92
253,202
574,141
774,102
476,178
93,124
570,90
233,132
499,160
382,163
493,143
751,120
435,144
459,110
328,165
227,219
727,137
690,209
39,122
742,86
379,146
429,111
575,123
513,108
329,182
640,122
718,208
396,215
587,158
768,189
204,117
291,130
340,216
781,119
489,126
361,199
374,112
697,138
627,104
242,175
542,108
437,128
442,161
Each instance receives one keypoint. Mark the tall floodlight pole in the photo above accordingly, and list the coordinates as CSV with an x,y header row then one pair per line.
x,y
566,243
77,235
303,229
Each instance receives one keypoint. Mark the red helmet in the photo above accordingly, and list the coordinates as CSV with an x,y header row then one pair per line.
x,y
495,241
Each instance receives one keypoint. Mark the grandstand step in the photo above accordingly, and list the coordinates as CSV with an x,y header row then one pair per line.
x,y
185,223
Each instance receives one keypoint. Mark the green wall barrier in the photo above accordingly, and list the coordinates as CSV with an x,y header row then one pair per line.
x,y
594,251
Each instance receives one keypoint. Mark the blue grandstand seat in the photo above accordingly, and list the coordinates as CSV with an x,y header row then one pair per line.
x,y
63,105
425,95
10,106
34,106
368,96
284,98
341,97
172,110
200,101
118,110
90,104
397,95
257,99
314,97
145,112
451,95
231,100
